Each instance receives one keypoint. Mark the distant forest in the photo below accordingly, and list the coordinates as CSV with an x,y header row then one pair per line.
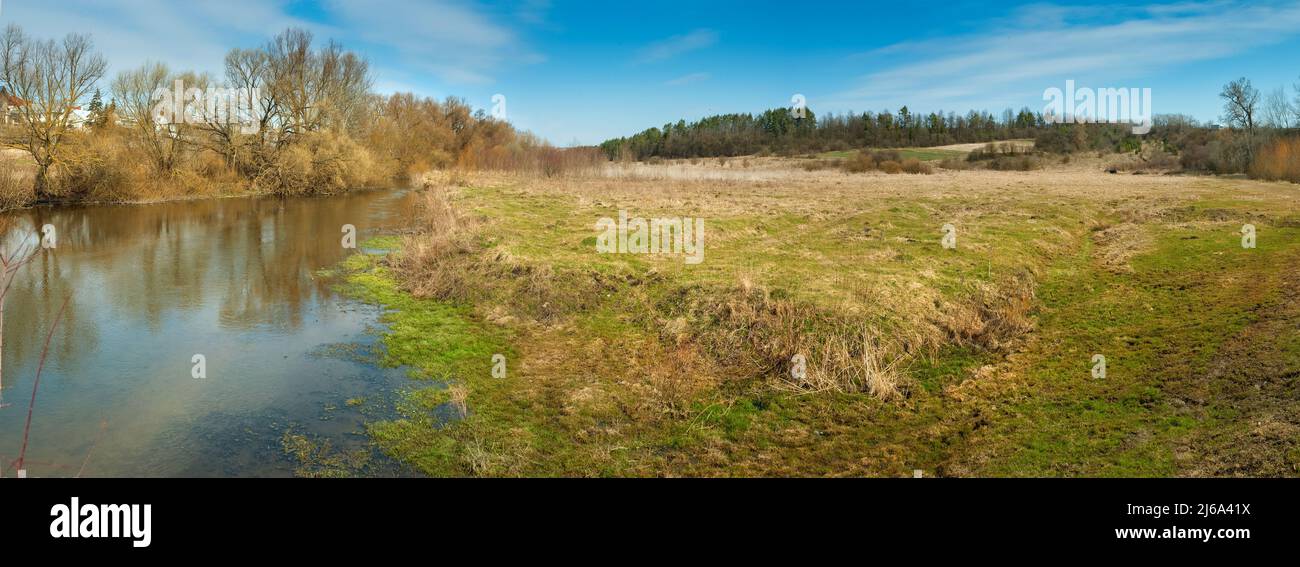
x,y
1260,136
777,131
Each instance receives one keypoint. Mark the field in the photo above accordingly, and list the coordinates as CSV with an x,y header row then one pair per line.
x,y
930,154
923,154
979,360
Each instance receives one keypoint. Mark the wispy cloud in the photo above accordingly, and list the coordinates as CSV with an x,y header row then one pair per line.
x,y
688,79
456,41
1043,45
677,45
187,35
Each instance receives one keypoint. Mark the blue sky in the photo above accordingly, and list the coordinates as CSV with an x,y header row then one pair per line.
x,y
586,71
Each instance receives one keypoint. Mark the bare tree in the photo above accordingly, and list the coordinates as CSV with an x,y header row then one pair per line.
x,y
344,85
50,79
1277,109
1295,104
290,79
245,75
157,135
1240,104
314,90
246,69
1240,109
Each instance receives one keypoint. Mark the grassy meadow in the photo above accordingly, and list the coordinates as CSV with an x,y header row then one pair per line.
x,y
970,361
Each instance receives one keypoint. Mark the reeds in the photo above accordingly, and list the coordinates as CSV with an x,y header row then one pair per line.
x,y
1278,161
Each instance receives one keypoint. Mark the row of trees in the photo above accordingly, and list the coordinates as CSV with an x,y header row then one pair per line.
x,y
788,131
305,120
1253,121
1263,140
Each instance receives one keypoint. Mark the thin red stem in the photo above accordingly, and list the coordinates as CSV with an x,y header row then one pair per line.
x,y
27,429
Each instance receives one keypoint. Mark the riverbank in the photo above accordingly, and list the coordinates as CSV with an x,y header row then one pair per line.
x,y
975,360
16,192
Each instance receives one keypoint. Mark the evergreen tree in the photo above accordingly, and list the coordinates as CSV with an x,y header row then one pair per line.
x,y
96,109
96,104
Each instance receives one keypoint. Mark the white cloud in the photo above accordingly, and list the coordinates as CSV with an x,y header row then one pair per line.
x,y
456,41
677,45
688,79
185,35
1044,45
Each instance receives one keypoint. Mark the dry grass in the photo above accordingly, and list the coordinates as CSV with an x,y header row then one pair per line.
x,y
913,165
15,186
622,355
447,261
857,339
1278,161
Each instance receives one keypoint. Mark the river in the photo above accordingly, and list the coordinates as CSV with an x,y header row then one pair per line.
x,y
152,286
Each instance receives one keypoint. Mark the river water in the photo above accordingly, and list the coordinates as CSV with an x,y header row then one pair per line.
x,y
151,286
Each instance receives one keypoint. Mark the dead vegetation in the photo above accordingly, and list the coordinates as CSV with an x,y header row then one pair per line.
x,y
635,364
749,328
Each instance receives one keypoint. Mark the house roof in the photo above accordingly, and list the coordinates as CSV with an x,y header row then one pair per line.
x,y
9,99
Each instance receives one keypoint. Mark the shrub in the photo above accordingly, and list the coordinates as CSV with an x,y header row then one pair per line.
x,y
955,163
913,165
1278,160
992,151
1196,158
1157,160
886,155
860,163
1053,140
1015,163
98,167
320,163
891,167
818,164
15,189
1226,152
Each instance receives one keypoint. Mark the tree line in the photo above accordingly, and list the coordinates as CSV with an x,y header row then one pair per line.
x,y
1258,134
304,120
789,131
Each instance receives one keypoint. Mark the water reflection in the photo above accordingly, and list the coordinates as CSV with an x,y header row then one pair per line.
x,y
150,286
